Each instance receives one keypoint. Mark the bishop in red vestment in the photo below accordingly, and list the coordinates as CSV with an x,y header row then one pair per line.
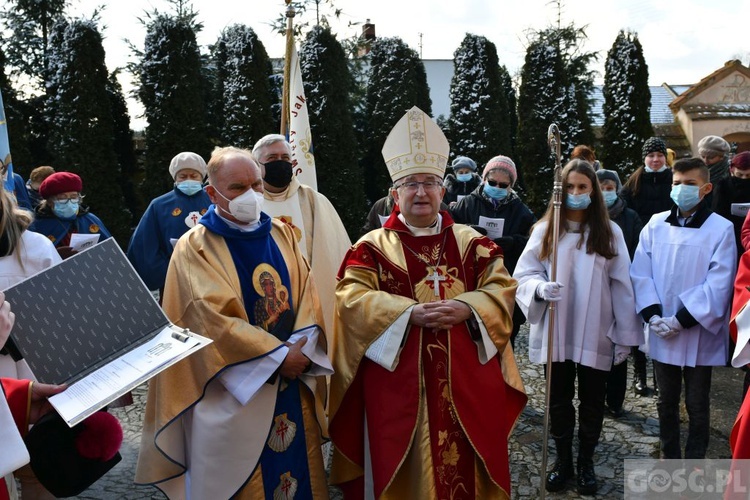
x,y
426,389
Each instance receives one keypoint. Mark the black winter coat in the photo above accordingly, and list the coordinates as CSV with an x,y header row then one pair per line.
x,y
629,222
454,188
727,191
653,196
517,226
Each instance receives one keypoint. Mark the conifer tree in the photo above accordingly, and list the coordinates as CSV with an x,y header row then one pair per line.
x,y
172,90
627,104
555,88
397,82
327,81
245,97
479,121
581,84
540,101
79,112
123,145
30,23
510,97
15,116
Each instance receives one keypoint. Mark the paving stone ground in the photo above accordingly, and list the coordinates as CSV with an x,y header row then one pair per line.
x,y
635,435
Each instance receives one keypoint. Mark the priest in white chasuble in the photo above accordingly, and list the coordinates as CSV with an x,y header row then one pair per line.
x,y
316,224
243,417
426,389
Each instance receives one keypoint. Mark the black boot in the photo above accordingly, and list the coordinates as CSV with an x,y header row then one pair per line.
x,y
562,470
586,480
639,372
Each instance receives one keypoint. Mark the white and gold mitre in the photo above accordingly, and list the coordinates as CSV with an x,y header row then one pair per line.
x,y
416,145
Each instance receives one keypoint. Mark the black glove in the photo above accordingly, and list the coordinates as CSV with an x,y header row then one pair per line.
x,y
505,242
481,230
66,252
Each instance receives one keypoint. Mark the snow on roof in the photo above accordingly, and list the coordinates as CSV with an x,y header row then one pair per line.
x,y
660,99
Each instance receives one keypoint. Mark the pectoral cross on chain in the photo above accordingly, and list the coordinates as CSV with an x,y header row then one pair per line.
x,y
436,279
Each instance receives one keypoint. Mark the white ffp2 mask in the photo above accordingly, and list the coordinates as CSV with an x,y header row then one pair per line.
x,y
246,207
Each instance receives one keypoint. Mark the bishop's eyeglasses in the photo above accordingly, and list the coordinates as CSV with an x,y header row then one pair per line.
x,y
412,186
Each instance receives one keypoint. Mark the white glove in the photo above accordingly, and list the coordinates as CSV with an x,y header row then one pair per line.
x,y
549,291
656,326
621,354
674,327
667,327
673,324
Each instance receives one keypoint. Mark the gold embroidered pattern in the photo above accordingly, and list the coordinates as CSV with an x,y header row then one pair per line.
x,y
447,471
449,283
483,251
449,457
389,283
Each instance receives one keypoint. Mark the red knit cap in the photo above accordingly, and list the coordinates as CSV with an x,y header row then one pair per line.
x,y
741,161
60,182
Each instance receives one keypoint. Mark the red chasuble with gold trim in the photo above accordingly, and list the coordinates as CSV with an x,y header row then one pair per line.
x,y
17,393
438,424
739,440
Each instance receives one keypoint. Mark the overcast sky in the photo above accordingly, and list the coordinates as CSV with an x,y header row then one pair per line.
x,y
683,40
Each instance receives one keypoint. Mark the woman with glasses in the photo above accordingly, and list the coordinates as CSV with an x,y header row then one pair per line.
x,y
61,214
494,201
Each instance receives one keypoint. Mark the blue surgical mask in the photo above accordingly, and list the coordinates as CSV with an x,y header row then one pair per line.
x,y
685,197
496,193
577,201
66,211
610,197
463,177
189,187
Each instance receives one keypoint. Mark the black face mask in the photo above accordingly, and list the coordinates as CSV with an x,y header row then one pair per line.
x,y
278,173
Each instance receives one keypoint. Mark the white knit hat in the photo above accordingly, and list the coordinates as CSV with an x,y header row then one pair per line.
x,y
713,144
184,160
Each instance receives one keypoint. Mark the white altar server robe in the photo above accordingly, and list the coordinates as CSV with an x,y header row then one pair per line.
x,y
597,309
691,267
